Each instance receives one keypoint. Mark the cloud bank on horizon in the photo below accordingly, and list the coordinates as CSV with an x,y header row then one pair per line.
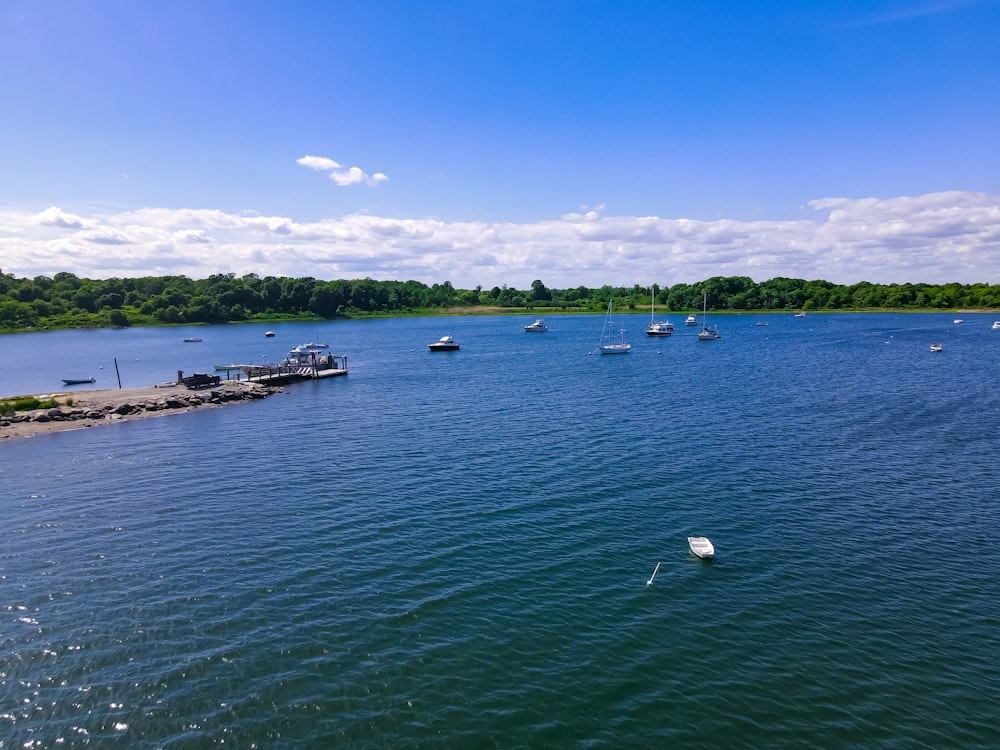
x,y
934,238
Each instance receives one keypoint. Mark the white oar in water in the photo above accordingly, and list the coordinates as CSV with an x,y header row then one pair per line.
x,y
655,570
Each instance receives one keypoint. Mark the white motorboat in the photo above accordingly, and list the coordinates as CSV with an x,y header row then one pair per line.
x,y
701,546
996,325
269,334
936,347
311,354
608,345
537,327
958,321
444,344
664,328
691,320
800,314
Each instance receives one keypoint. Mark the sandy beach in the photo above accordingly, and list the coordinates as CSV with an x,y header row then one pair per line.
x,y
86,409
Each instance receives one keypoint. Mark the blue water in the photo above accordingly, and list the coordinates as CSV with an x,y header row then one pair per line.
x,y
452,549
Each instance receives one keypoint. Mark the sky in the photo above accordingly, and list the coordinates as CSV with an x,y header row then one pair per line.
x,y
491,143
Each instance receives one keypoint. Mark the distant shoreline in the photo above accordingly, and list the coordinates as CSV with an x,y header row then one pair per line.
x,y
480,311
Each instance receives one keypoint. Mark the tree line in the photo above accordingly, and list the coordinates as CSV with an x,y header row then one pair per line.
x,y
66,300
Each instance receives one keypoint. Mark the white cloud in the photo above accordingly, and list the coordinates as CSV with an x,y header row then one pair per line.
x,y
318,162
339,174
934,238
53,217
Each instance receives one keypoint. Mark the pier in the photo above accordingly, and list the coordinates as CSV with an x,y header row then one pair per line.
x,y
328,366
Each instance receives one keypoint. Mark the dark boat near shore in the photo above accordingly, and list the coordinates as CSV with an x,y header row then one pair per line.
x,y
78,381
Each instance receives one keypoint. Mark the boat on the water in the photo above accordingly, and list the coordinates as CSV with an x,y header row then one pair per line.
x,y
706,333
269,334
800,314
663,328
537,327
608,345
700,546
308,354
935,347
191,340
444,344
78,381
691,320
996,325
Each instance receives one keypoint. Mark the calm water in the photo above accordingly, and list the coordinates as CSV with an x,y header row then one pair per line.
x,y
451,550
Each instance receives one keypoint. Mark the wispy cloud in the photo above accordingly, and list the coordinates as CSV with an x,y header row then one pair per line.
x,y
340,174
934,238
908,10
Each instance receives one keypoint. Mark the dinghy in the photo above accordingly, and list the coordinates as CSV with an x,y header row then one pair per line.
x,y
701,546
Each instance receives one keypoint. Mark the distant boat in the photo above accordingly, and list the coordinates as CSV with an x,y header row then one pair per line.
x,y
936,347
444,344
537,327
657,329
269,334
191,340
761,324
959,320
701,547
224,368
608,345
706,333
78,381
801,314
691,320
996,325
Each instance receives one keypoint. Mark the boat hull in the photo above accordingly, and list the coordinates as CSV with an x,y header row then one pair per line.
x,y
443,347
701,547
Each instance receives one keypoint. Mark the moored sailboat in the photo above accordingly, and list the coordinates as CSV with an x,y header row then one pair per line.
x,y
706,333
608,345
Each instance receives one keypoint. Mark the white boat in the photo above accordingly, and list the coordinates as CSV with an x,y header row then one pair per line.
x,y
800,314
996,325
706,333
936,347
664,328
701,546
191,340
269,334
691,320
537,327
608,345
444,344
958,320
308,354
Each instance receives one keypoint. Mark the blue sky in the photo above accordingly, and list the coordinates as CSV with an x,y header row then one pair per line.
x,y
501,142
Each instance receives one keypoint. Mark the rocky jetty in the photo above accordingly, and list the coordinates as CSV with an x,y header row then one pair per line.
x,y
88,408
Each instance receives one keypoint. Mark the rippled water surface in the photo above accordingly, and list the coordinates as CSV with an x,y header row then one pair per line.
x,y
452,549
